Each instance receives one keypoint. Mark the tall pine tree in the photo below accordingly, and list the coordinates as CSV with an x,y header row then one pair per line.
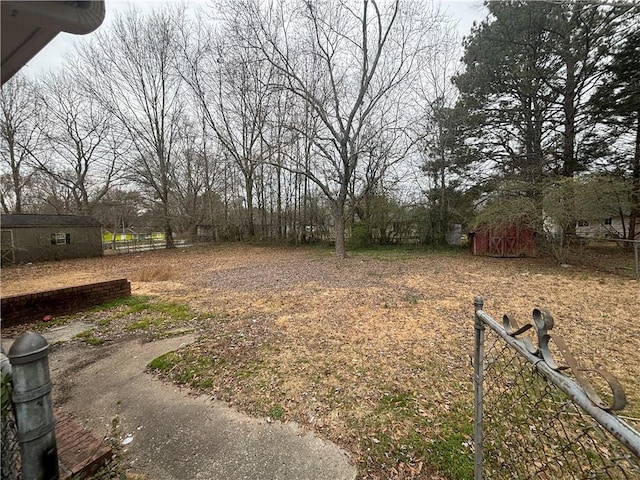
x,y
530,68
505,91
617,103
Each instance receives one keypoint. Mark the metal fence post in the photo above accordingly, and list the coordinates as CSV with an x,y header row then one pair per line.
x,y
478,375
34,413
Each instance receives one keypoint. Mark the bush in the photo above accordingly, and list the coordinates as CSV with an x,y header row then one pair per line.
x,y
360,236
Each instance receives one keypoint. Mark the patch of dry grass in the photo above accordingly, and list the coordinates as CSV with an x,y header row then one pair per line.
x,y
373,352
161,274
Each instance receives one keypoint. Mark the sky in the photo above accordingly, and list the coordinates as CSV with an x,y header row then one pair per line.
x,y
464,12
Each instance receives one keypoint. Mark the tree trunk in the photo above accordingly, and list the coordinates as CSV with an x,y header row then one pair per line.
x,y
635,193
168,236
340,226
249,192
442,233
569,164
113,239
279,232
16,179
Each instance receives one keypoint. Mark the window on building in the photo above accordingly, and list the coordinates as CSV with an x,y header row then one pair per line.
x,y
583,223
60,238
607,221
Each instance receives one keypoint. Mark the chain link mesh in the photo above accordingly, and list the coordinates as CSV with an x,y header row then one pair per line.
x,y
531,429
10,448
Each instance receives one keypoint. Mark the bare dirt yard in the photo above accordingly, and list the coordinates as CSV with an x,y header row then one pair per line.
x,y
372,352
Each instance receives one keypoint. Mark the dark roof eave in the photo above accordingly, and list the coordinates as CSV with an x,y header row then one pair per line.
x,y
49,221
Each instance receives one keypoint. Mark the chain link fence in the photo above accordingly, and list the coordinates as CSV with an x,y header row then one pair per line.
x,y
533,421
10,448
615,255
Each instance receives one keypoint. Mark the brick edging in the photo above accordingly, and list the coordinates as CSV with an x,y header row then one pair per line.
x,y
31,307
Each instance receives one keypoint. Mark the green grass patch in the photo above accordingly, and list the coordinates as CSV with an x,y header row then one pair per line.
x,y
399,432
276,412
164,363
144,323
187,369
251,370
401,404
54,322
144,303
390,450
89,338
138,307
450,451
177,311
152,312
131,301
405,252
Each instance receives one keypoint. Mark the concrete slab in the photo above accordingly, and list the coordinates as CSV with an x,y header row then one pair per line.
x,y
60,334
64,333
176,435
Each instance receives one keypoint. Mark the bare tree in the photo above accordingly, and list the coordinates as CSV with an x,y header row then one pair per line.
x,y
232,85
194,174
342,59
443,159
131,69
84,145
119,209
20,140
386,141
280,141
52,196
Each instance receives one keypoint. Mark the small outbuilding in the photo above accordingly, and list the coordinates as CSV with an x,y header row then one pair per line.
x,y
39,238
503,241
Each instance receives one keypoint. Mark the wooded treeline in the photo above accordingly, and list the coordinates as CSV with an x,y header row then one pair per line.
x,y
304,120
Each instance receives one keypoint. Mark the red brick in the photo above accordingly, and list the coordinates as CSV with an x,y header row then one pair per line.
x,y
79,452
31,307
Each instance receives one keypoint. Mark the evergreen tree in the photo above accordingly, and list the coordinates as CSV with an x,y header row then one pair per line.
x,y
617,104
580,38
505,91
529,69
446,165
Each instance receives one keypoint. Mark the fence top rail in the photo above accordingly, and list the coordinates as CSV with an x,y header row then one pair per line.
x,y
580,391
621,240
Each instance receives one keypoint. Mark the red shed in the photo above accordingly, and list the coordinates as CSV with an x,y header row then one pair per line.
x,y
505,241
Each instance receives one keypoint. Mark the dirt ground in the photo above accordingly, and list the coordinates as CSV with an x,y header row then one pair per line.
x,y
372,352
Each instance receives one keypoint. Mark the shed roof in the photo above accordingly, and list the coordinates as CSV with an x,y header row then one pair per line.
x,y
41,220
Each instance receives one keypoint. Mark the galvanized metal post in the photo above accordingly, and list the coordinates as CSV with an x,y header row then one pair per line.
x,y
478,374
34,413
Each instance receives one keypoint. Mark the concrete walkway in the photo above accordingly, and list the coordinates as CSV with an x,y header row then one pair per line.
x,y
176,435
